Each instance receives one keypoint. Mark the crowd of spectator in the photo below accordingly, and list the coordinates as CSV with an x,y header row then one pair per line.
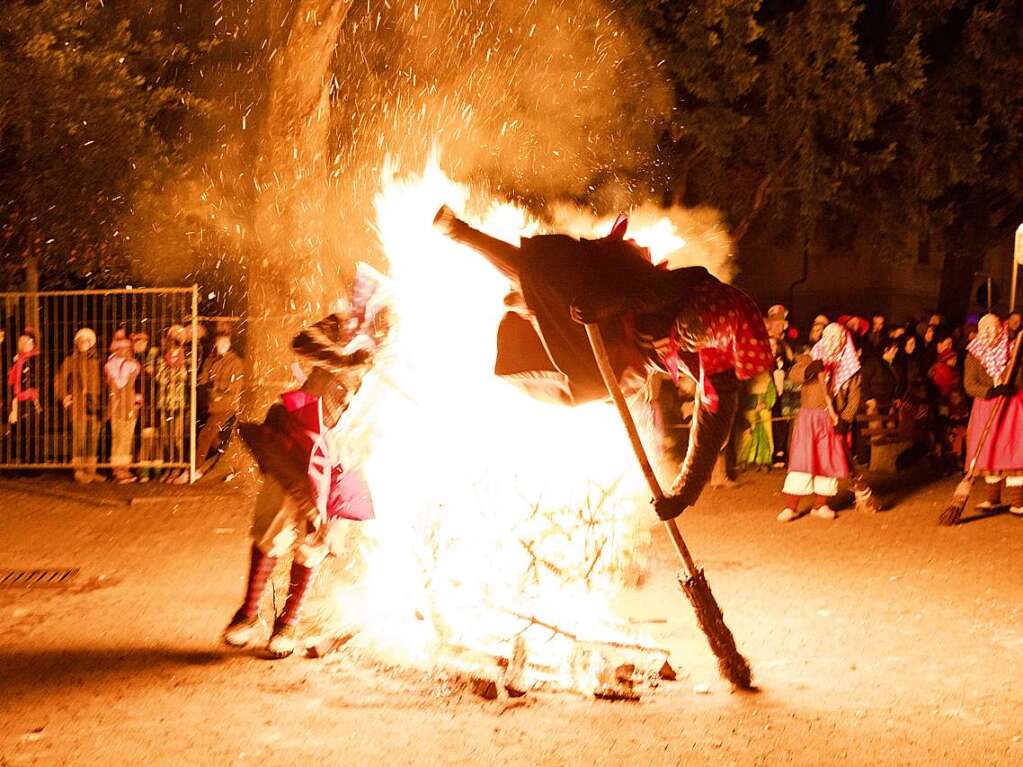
x,y
911,390
131,404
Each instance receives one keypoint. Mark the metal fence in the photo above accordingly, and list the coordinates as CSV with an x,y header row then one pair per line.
x,y
100,379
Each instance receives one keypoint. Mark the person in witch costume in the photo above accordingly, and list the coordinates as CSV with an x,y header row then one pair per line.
x,y
306,491
1001,456
817,457
678,322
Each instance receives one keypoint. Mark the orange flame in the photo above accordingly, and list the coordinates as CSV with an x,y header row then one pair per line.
x,y
489,504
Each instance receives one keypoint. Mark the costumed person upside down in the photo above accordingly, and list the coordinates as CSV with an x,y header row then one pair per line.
x,y
680,322
306,491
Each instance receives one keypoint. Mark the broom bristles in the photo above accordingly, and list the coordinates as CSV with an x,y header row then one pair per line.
x,y
954,511
731,664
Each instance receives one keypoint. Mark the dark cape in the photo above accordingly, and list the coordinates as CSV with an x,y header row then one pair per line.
x,y
550,355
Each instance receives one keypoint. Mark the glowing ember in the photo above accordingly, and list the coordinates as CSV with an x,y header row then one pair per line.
x,y
492,508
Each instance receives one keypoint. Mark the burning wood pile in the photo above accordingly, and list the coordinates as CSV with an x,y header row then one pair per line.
x,y
608,669
508,653
603,668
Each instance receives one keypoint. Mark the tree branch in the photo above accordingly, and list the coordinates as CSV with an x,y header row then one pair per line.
x,y
679,193
1010,213
760,196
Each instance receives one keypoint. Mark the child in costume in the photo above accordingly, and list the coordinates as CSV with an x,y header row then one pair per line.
x,y
756,445
121,370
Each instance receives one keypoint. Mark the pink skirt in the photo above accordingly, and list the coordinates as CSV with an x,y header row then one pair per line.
x,y
1003,448
816,448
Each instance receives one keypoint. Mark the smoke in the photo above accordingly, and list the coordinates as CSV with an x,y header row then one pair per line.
x,y
537,99
546,103
533,101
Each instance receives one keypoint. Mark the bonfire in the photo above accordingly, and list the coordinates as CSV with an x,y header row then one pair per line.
x,y
506,528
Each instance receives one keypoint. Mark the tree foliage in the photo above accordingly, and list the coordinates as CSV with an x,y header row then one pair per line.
x,y
960,164
778,98
882,122
87,118
891,121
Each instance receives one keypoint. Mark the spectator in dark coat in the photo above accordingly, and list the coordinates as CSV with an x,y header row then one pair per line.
x,y
878,385
909,367
77,388
222,374
878,334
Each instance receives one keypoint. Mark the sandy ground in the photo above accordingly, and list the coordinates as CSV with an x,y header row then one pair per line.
x,y
875,640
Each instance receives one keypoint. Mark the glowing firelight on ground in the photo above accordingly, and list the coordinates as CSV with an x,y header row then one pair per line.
x,y
490,505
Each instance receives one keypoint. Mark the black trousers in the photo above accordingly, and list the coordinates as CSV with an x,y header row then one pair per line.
x,y
707,437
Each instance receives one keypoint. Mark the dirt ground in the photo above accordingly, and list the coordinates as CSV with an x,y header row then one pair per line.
x,y
874,640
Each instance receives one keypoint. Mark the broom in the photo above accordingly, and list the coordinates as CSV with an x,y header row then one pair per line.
x,y
954,511
865,500
731,664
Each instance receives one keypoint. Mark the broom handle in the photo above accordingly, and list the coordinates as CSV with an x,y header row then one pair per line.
x,y
996,410
611,382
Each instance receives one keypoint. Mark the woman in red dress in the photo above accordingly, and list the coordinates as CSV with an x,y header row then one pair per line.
x,y
1001,457
817,456
306,491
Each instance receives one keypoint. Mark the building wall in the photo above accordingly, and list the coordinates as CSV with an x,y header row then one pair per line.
x,y
851,282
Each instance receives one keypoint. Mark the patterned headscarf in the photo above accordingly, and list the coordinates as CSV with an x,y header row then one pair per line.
x,y
120,370
838,353
991,346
